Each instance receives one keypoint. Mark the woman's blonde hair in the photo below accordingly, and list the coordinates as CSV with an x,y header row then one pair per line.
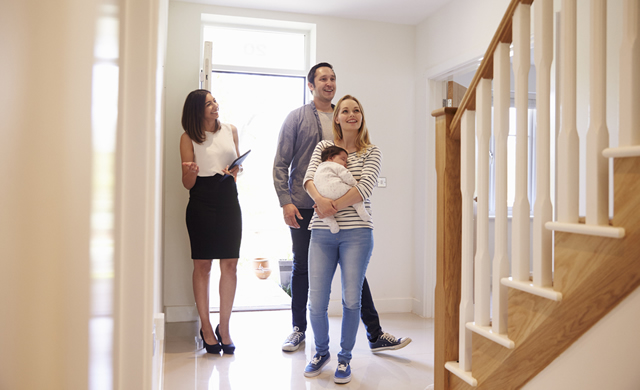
x,y
362,139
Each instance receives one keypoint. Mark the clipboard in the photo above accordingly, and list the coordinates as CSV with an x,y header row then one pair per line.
x,y
236,162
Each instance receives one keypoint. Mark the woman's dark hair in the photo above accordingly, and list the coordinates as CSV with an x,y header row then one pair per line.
x,y
331,151
193,113
311,77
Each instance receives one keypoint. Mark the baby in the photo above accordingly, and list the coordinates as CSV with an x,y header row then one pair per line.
x,y
332,180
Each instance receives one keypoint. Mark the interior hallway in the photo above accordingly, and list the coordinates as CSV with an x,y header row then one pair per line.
x,y
259,362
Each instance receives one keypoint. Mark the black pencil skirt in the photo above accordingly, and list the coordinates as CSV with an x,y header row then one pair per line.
x,y
214,219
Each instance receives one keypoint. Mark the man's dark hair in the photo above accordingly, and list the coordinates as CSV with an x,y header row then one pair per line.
x,y
331,151
311,77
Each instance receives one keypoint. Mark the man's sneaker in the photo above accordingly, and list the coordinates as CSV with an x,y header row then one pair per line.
x,y
388,342
292,343
343,373
315,365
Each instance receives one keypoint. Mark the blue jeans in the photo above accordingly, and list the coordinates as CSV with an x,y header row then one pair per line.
x,y
351,249
300,283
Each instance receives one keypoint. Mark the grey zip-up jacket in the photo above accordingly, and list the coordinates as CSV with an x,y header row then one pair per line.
x,y
299,135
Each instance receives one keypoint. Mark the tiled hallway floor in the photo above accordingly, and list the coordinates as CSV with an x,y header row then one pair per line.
x,y
259,362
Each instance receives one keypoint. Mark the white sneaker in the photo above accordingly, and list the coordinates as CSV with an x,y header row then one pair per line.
x,y
293,342
343,373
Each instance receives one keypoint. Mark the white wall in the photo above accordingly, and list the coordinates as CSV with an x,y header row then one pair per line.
x,y
606,357
374,62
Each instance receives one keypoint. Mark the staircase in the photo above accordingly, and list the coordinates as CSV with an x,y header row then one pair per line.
x,y
501,321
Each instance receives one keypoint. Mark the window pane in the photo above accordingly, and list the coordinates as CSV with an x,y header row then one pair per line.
x,y
254,48
512,121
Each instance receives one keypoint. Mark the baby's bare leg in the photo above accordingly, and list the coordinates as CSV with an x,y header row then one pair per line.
x,y
333,224
362,212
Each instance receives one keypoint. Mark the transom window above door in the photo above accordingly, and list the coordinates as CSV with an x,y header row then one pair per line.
x,y
259,45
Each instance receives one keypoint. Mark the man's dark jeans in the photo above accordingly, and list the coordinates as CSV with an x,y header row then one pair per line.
x,y
300,283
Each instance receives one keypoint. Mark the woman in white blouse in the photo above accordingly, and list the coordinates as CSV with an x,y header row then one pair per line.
x,y
214,218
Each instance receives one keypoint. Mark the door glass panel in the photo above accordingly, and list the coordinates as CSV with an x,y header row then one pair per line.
x,y
258,105
256,48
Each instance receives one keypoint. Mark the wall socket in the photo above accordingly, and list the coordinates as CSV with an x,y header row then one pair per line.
x,y
382,182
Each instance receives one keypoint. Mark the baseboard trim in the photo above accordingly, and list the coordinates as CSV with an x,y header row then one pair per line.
x,y
158,352
181,313
418,308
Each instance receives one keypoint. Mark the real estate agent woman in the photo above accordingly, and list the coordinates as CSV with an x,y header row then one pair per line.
x,y
214,220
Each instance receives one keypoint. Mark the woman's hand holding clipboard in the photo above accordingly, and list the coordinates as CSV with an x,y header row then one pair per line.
x,y
238,161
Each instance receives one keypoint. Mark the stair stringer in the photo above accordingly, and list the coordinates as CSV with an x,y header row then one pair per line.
x,y
594,274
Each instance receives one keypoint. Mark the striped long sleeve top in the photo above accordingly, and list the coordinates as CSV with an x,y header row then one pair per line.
x,y
365,168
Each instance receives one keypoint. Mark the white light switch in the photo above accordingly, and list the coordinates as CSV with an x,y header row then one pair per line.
x,y
382,182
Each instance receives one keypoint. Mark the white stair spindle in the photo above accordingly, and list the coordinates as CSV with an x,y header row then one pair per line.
x,y
501,103
542,249
629,133
467,187
520,267
482,265
542,212
597,195
568,141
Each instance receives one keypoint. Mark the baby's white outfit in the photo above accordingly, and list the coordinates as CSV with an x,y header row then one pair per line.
x,y
332,181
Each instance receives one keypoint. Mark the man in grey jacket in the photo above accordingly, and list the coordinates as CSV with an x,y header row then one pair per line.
x,y
301,131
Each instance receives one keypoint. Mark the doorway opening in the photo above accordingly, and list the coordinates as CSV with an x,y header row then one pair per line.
x,y
257,105
256,69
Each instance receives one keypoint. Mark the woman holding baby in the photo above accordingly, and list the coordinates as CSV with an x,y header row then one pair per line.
x,y
351,246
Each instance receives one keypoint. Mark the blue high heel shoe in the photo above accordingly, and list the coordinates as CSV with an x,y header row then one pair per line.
x,y
226,348
211,348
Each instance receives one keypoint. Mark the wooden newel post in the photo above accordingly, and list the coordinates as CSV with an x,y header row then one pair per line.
x,y
449,247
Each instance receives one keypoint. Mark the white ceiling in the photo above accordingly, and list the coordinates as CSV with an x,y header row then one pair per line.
x,y
390,11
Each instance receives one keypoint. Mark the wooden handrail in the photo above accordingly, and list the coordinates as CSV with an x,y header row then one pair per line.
x,y
485,70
